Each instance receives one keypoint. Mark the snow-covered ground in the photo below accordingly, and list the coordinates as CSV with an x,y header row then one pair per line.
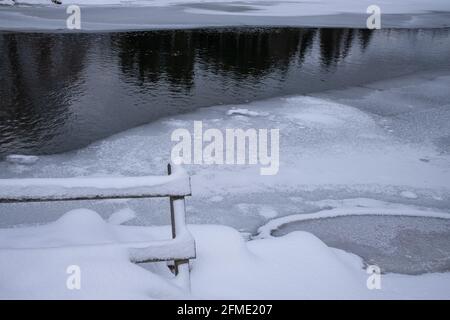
x,y
34,261
270,7
151,14
386,142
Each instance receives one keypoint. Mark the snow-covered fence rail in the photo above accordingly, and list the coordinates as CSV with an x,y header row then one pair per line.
x,y
66,189
175,186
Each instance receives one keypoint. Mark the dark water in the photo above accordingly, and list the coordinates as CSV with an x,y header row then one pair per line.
x,y
62,91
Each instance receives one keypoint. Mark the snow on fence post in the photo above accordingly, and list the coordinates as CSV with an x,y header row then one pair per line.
x,y
178,221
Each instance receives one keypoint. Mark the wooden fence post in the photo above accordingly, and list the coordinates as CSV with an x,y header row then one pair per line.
x,y
178,221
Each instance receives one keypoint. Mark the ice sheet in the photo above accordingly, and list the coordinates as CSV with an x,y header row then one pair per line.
x,y
328,150
147,14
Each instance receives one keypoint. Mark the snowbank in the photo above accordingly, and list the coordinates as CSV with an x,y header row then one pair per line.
x,y
315,7
385,209
270,7
34,261
104,15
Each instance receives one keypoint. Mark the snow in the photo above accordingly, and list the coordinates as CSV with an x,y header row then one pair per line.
x,y
341,154
272,7
98,187
21,159
330,148
34,260
157,14
122,216
260,269
105,271
396,243
268,212
243,112
216,199
408,194
366,207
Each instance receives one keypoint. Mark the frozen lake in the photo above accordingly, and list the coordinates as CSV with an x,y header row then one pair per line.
x,y
60,92
114,15
362,115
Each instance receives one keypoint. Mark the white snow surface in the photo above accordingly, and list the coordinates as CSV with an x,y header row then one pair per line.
x,y
34,260
269,7
351,207
122,216
21,159
243,112
95,187
107,15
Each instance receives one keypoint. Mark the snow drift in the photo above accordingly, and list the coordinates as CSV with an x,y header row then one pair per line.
x,y
34,263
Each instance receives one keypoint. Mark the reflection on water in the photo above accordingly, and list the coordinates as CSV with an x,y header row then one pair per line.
x,y
37,77
61,91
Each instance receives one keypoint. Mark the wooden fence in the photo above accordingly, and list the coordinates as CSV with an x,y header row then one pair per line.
x,y
175,186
